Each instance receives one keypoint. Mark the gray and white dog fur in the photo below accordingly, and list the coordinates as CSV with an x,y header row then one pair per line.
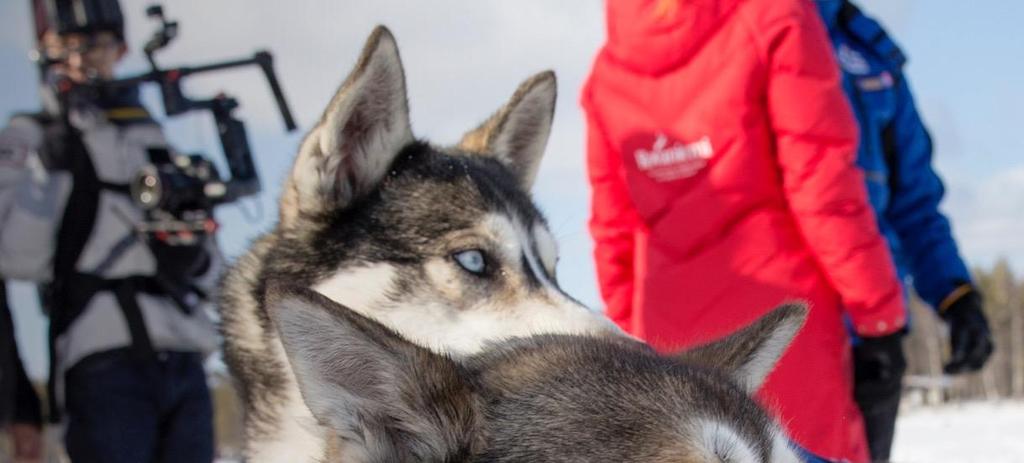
x,y
540,399
441,245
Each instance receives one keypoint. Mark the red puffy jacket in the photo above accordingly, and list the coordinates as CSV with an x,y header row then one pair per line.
x,y
721,154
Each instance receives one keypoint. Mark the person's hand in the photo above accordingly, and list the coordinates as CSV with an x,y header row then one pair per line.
x,y
970,337
879,361
27,441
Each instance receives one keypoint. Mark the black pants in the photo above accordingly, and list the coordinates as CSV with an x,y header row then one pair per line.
x,y
125,408
879,402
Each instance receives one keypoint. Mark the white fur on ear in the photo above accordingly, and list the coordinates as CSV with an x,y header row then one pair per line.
x,y
750,354
364,127
782,449
517,134
722,443
761,361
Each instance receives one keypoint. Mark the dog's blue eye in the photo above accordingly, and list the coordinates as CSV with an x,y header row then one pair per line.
x,y
472,261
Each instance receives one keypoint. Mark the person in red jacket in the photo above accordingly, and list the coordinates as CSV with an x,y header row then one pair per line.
x,y
721,154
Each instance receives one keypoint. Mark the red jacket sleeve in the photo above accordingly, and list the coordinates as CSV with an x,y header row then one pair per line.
x,y
613,225
816,139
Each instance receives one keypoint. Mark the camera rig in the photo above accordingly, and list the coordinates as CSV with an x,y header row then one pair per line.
x,y
190,181
178,192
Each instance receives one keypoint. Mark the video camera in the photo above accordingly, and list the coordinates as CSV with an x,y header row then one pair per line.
x,y
192,180
178,191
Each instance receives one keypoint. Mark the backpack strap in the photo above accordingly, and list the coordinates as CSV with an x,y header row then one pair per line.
x,y
70,292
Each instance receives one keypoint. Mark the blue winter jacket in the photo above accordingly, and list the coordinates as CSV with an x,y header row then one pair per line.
x,y
895,153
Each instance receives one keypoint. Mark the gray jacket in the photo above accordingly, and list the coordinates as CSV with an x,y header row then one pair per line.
x,y
33,195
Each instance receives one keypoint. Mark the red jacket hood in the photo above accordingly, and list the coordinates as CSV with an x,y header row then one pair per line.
x,y
653,36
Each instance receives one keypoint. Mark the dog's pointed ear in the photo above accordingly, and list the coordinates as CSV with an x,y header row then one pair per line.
x,y
749,355
363,128
385,397
517,134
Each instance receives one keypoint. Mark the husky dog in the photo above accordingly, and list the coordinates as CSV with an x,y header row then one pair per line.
x,y
442,245
545,398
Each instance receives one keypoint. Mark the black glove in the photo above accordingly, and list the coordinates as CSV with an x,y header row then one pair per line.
x,y
879,364
878,368
970,338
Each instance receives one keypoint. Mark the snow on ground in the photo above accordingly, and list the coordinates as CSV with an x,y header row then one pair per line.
x,y
989,432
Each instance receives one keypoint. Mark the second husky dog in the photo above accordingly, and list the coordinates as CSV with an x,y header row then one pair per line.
x,y
542,399
442,245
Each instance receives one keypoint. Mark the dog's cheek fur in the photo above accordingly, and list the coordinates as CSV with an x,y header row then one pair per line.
x,y
445,279
360,287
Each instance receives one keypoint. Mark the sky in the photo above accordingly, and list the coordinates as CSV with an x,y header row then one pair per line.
x,y
464,59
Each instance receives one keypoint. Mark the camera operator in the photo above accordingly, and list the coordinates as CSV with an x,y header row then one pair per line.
x,y
128,330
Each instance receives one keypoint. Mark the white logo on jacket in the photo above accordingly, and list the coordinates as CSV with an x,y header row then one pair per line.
x,y
666,162
852,61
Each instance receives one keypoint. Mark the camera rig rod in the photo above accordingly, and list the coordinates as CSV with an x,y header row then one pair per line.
x,y
175,101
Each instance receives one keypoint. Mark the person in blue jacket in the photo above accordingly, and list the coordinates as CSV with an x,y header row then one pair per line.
x,y
895,154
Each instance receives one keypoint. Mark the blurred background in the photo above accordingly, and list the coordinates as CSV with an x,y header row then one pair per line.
x,y
463,59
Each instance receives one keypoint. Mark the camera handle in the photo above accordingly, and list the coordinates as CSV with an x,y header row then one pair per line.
x,y
175,101
234,139
235,143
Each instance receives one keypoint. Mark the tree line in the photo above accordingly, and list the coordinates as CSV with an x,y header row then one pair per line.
x,y
927,346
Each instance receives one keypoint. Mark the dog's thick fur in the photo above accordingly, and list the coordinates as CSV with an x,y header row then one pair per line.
x,y
546,398
442,245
